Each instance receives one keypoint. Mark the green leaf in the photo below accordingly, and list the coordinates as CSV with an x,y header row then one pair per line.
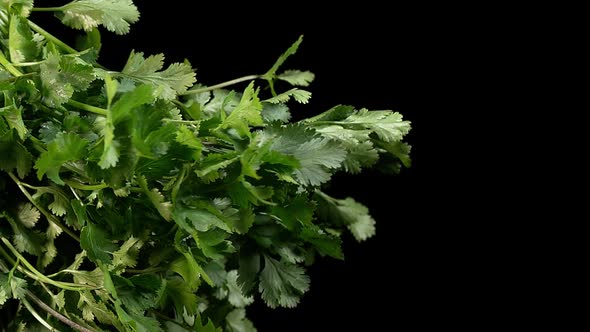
x,y
245,114
158,200
22,44
21,7
14,155
166,84
236,321
65,147
120,111
14,117
290,51
275,113
297,77
300,96
318,156
127,254
188,268
347,212
97,244
281,283
324,242
181,295
235,294
28,215
115,15
61,76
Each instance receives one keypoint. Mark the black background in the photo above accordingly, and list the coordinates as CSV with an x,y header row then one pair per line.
x,y
367,55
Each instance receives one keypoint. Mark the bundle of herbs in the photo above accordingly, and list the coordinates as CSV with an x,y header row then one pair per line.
x,y
138,200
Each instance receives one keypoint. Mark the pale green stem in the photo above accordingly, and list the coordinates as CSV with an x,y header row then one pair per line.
x,y
222,85
52,38
82,186
89,108
40,276
36,315
56,314
9,67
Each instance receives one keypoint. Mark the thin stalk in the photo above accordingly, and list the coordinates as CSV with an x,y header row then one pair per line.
x,y
88,108
81,186
46,213
37,316
9,67
56,314
47,9
51,37
40,276
222,85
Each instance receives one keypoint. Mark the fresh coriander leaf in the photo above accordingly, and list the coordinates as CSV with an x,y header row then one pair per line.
x,y
236,321
22,44
28,215
61,76
275,113
95,241
236,296
290,51
281,283
347,212
166,84
64,148
115,15
14,118
300,96
317,156
21,7
245,114
297,77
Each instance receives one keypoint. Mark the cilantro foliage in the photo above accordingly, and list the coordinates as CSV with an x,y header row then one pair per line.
x,y
138,200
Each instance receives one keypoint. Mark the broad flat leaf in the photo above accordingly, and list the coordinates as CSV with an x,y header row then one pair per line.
x,y
317,156
236,321
235,293
297,77
281,283
28,215
61,76
115,15
23,45
166,84
245,114
347,212
65,147
300,96
22,7
95,241
14,117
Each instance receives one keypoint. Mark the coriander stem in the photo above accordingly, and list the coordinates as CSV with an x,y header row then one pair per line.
x,y
47,9
6,64
56,314
89,108
222,85
46,213
51,37
36,315
40,276
81,186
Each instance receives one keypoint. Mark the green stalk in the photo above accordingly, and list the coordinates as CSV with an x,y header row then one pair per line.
x,y
56,314
88,108
222,85
40,276
9,67
36,315
51,37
